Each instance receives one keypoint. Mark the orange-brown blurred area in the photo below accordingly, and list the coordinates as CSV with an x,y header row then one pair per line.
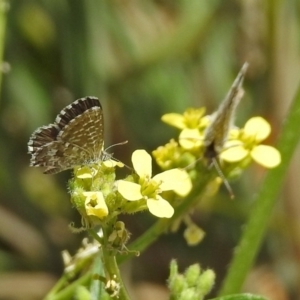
x,y
143,59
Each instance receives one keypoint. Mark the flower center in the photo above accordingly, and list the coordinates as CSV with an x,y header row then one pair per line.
x,y
249,140
149,187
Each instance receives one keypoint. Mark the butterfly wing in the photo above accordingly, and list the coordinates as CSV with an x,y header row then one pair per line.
x,y
217,132
76,138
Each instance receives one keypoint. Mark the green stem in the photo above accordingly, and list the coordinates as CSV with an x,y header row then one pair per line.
x,y
95,236
113,272
68,292
255,230
3,12
52,294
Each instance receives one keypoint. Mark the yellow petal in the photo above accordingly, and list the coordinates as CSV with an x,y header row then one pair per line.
x,y
142,163
175,179
267,156
89,194
129,190
234,153
85,172
95,204
110,163
160,208
174,119
258,127
190,138
234,133
84,176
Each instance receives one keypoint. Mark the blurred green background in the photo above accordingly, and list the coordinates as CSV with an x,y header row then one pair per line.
x,y
142,59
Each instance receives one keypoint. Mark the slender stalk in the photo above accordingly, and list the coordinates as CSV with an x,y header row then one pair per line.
x,y
68,292
112,272
255,230
3,11
52,294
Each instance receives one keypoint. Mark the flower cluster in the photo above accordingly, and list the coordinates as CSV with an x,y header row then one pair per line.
x,y
100,197
93,192
241,146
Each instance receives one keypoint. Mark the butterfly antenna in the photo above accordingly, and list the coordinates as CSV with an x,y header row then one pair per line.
x,y
225,181
118,144
111,155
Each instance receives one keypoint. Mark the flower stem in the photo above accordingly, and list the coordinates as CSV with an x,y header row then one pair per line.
x,y
4,5
69,290
113,272
257,225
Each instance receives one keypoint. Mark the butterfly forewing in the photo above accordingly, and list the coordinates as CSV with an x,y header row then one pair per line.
x,y
77,108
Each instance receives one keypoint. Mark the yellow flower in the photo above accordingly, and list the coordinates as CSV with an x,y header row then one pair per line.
x,y
95,204
166,155
192,123
88,172
149,188
171,155
191,138
191,118
247,143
